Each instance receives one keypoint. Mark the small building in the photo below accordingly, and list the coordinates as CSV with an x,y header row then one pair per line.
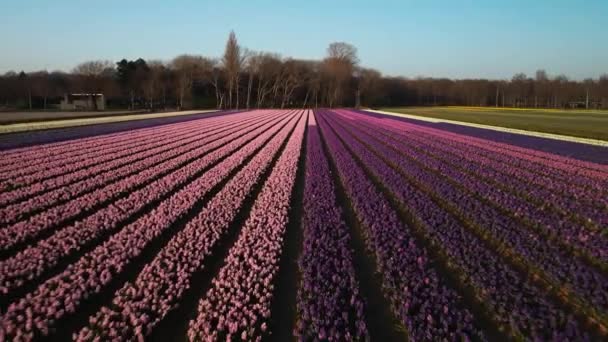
x,y
83,102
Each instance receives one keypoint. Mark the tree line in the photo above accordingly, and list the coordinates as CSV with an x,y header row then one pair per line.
x,y
242,78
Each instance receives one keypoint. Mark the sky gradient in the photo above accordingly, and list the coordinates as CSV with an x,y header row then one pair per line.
x,y
448,38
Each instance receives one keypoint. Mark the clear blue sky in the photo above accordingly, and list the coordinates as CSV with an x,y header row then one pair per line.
x,y
452,38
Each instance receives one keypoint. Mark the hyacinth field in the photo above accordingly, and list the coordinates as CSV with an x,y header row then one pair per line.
x,y
300,225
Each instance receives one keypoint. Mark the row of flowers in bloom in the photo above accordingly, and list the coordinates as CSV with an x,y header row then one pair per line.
x,y
476,174
40,311
30,170
513,302
534,176
22,202
55,217
545,257
420,299
32,262
238,304
330,306
140,305
27,171
38,154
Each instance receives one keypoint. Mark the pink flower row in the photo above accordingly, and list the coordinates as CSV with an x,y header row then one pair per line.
x,y
73,184
88,144
66,163
38,312
239,302
135,142
30,263
140,305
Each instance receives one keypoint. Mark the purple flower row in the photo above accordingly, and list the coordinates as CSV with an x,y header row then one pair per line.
x,y
583,203
579,176
547,174
541,191
560,164
425,306
557,225
139,306
38,312
547,223
515,303
30,263
329,304
544,256
239,302
71,185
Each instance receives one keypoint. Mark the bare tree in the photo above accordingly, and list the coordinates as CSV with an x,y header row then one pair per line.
x,y
589,85
217,76
232,61
339,66
520,91
369,86
269,69
291,78
251,67
188,69
152,84
241,78
26,85
92,74
41,86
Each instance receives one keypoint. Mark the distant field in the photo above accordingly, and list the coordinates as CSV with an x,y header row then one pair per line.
x,y
579,123
83,121
20,117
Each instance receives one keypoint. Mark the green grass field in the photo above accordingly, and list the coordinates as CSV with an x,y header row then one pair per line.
x,y
579,123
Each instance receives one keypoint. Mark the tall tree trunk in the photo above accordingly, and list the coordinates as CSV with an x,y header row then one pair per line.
x,y
259,96
275,92
284,97
230,92
249,86
181,99
217,98
306,98
237,91
217,94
